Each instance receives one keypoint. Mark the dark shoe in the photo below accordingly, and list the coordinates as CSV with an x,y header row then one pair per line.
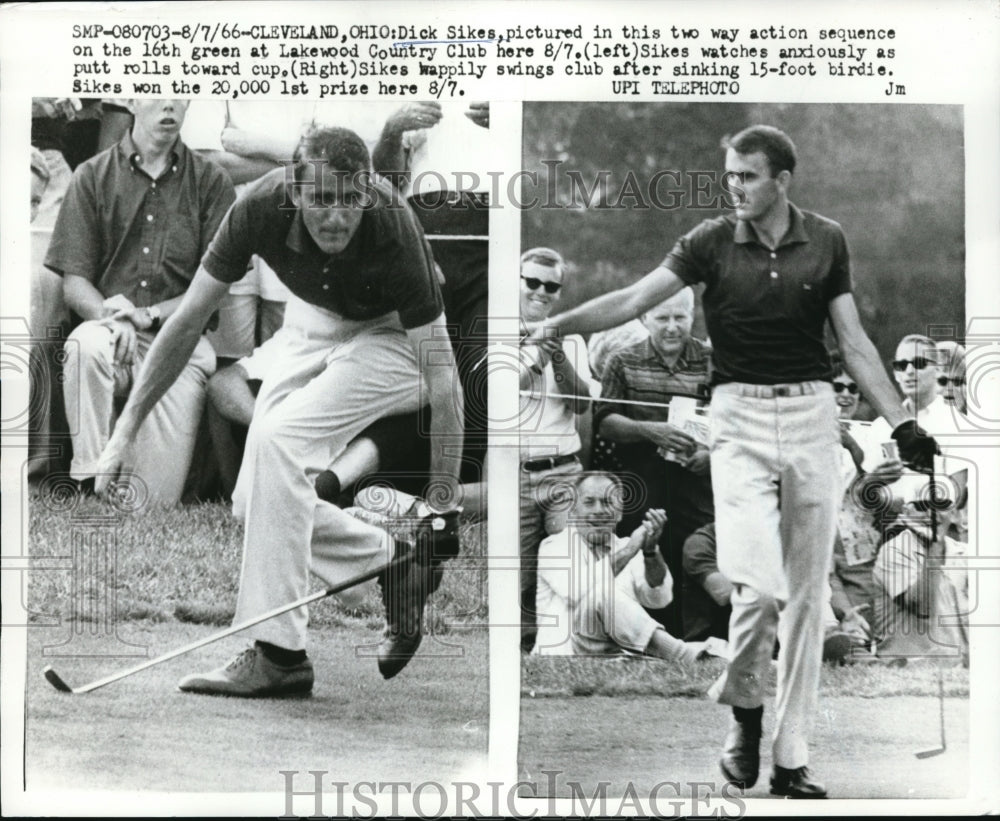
x,y
797,783
404,592
396,650
740,762
252,675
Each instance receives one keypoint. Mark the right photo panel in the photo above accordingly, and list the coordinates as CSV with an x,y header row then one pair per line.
x,y
743,514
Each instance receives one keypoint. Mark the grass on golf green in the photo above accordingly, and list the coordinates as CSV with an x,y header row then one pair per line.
x,y
140,733
183,564
555,676
175,581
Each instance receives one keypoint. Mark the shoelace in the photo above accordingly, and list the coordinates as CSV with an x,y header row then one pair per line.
x,y
244,659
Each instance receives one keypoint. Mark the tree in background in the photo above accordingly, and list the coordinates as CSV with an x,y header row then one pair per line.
x,y
892,175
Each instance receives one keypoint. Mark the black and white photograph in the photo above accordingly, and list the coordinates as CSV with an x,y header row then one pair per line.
x,y
515,408
262,324
742,380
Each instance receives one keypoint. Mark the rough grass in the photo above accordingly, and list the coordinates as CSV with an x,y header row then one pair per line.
x,y
183,564
555,676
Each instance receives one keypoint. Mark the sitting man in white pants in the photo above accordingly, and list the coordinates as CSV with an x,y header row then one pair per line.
x,y
133,225
365,338
593,585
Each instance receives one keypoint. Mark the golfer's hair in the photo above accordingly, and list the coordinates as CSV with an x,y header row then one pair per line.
x,y
544,256
39,167
340,148
772,142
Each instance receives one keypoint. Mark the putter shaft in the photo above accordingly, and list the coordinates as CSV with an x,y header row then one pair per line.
x,y
59,683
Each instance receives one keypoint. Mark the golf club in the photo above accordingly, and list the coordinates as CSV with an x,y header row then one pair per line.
x,y
60,684
933,751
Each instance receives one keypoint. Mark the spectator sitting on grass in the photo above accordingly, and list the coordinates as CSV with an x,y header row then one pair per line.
x,y
592,585
706,609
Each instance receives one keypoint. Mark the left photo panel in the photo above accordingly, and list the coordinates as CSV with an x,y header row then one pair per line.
x,y
256,474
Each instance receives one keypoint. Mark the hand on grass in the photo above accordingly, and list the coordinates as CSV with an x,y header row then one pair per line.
x,y
110,464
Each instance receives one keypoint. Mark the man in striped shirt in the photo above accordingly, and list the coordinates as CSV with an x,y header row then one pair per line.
x,y
671,466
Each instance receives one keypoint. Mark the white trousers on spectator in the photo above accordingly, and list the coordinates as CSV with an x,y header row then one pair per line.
x,y
161,454
545,499
333,379
613,620
777,482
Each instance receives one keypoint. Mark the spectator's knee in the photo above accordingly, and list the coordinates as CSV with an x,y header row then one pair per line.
x,y
218,388
90,341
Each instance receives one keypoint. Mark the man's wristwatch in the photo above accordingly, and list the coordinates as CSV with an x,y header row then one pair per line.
x,y
154,314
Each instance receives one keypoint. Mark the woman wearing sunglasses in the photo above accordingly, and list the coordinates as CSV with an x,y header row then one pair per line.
x,y
951,380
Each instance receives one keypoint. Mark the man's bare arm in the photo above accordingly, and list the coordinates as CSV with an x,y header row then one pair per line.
x,y
861,360
617,307
437,366
619,428
718,587
240,169
257,145
389,156
167,357
83,298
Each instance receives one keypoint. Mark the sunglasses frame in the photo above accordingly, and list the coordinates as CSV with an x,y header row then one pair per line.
x,y
549,286
957,381
840,387
919,363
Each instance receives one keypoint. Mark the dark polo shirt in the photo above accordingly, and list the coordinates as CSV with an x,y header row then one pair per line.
x,y
386,266
765,310
130,234
637,373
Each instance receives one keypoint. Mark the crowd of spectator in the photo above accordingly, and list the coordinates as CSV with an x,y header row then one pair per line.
x,y
897,590
118,231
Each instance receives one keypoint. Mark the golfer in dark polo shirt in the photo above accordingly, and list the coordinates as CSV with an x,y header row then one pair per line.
x,y
773,276
365,338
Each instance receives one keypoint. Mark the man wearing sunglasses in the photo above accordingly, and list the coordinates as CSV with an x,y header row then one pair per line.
x,y
919,605
554,374
774,275
918,375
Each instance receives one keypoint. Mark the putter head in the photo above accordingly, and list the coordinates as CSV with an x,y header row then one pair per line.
x,y
931,752
53,678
